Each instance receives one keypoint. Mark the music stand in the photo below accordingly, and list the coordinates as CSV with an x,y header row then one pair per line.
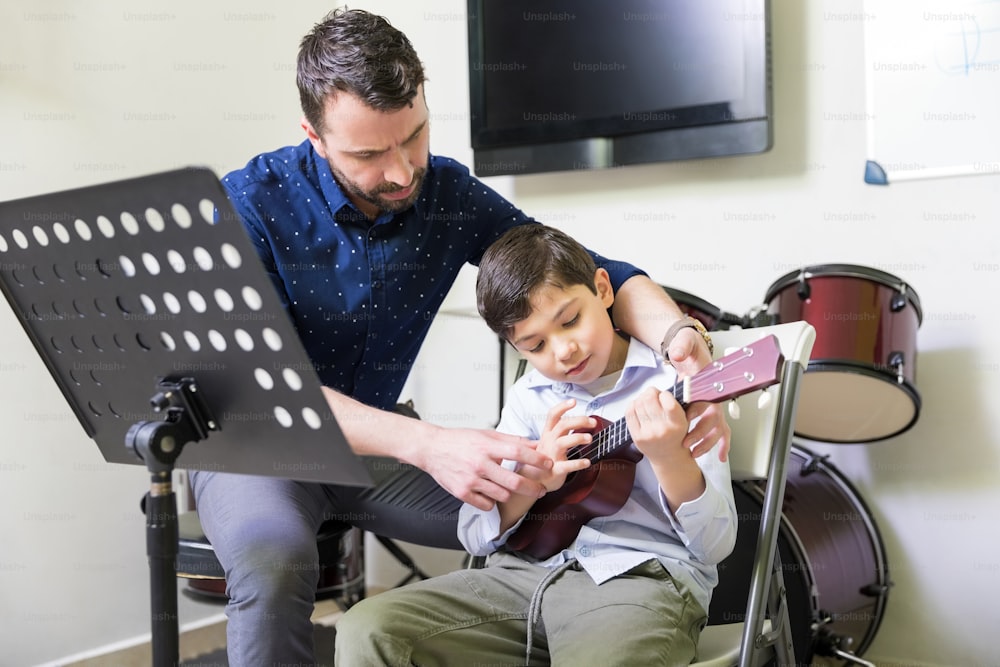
x,y
152,312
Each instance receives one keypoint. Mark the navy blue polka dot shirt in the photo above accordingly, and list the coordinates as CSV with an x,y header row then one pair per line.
x,y
362,293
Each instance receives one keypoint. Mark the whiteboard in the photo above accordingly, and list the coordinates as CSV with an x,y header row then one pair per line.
x,y
932,89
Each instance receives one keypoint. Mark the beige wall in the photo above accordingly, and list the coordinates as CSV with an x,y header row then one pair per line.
x,y
97,92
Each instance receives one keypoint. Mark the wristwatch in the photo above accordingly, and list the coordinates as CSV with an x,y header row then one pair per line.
x,y
684,323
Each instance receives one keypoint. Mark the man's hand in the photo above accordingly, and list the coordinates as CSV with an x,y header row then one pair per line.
x,y
689,354
466,462
560,434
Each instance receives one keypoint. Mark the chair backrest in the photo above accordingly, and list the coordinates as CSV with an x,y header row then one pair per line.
x,y
753,431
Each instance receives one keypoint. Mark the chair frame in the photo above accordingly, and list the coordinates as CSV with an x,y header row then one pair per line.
x,y
766,628
767,586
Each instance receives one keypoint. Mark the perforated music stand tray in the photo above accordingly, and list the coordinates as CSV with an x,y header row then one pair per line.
x,y
151,310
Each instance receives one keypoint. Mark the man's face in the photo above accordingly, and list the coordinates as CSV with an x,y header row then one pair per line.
x,y
379,158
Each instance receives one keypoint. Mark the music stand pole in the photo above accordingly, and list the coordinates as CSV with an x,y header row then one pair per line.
x,y
158,444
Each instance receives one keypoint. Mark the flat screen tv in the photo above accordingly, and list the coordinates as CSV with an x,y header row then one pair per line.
x,y
557,85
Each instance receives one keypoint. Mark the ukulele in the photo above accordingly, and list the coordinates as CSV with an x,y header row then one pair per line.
x,y
554,521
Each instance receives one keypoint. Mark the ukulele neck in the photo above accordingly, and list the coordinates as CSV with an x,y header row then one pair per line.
x,y
615,436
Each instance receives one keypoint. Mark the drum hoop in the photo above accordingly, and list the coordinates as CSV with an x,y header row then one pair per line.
x,y
847,271
859,368
881,563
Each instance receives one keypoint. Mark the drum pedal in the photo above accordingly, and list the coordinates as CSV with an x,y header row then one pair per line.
x,y
831,645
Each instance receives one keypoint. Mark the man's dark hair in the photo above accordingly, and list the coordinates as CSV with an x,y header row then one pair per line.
x,y
522,260
359,53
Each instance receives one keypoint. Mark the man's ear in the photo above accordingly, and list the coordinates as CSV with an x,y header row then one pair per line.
x,y
602,283
314,138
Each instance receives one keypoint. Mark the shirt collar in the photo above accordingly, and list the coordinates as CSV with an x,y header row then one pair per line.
x,y
335,197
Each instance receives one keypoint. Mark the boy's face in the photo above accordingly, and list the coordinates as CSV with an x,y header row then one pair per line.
x,y
568,336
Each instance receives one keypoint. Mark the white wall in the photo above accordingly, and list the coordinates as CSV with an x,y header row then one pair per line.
x,y
118,89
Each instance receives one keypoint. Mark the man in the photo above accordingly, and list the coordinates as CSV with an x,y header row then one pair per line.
x,y
363,233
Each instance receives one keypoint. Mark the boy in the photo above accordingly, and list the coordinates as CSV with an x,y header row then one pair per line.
x,y
631,587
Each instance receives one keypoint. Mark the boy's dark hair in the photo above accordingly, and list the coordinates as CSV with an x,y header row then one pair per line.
x,y
523,259
359,53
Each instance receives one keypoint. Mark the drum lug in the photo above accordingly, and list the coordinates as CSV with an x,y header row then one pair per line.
x,y
875,590
896,362
812,464
803,289
898,301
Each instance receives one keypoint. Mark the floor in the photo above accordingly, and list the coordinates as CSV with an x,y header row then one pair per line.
x,y
203,647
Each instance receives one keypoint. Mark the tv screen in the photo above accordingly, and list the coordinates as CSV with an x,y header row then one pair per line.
x,y
583,84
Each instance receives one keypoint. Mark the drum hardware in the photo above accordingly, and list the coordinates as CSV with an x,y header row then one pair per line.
x,y
875,590
896,362
850,657
830,645
741,321
758,317
899,301
803,289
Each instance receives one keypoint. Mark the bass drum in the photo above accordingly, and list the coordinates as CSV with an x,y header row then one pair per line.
x,y
832,559
860,384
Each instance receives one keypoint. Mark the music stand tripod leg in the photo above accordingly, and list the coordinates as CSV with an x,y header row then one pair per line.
x,y
159,444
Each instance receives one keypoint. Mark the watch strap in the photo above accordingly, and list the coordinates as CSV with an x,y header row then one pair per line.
x,y
684,323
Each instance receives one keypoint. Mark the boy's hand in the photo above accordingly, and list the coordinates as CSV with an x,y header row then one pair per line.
x,y
658,425
560,435
689,354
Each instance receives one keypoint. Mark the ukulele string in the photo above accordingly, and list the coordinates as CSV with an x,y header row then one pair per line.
x,y
617,432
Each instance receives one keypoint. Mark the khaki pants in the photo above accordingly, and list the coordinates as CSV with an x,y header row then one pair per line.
x,y
478,618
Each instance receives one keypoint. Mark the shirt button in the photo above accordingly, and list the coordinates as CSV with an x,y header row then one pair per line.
x,y
584,551
376,284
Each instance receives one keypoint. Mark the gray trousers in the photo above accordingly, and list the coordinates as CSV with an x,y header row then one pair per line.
x,y
263,530
479,617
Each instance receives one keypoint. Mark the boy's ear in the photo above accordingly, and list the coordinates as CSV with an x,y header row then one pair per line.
x,y
602,283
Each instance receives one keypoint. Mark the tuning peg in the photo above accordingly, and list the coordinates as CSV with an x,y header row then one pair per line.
x,y
764,400
734,409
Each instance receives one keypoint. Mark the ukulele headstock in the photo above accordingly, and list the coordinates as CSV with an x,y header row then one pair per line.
x,y
745,369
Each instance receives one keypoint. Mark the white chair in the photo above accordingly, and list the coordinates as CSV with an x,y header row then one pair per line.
x,y
760,446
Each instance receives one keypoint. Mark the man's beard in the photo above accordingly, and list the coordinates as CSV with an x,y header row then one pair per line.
x,y
372,196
